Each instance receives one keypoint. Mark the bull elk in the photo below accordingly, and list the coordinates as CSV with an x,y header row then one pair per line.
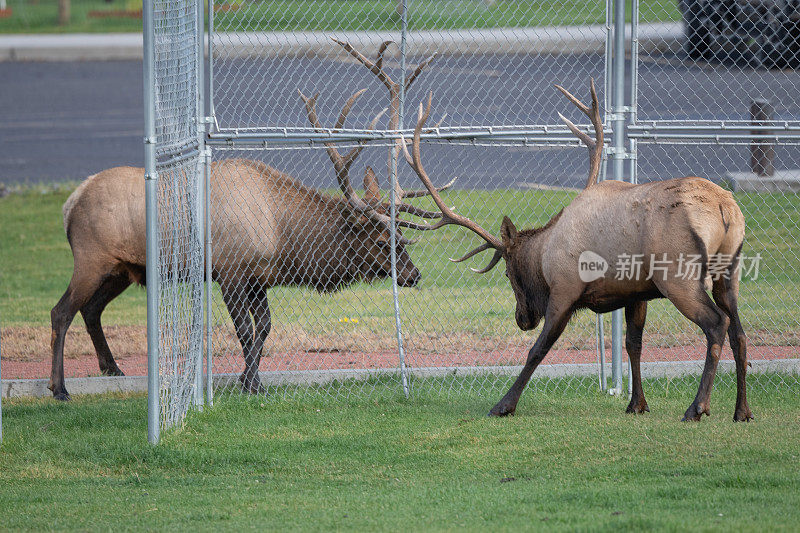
x,y
669,220
267,228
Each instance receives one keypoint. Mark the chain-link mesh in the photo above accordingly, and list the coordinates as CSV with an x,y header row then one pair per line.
x,y
179,206
492,74
717,97
491,78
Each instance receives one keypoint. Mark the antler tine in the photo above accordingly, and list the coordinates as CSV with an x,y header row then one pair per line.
x,y
580,105
498,255
482,248
375,69
588,141
353,153
448,216
595,145
346,109
381,50
417,211
420,193
311,109
418,70
336,158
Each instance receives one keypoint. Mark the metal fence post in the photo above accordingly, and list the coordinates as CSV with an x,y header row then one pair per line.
x,y
632,150
618,113
151,191
209,317
394,154
199,186
207,197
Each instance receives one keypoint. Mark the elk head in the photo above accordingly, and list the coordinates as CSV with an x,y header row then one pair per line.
x,y
522,250
367,219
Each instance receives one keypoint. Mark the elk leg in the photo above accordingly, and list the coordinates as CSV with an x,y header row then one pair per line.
x,y
725,293
235,298
74,298
259,308
635,315
697,306
554,324
108,290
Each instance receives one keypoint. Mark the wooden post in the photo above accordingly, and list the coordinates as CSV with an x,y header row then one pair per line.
x,y
63,12
762,153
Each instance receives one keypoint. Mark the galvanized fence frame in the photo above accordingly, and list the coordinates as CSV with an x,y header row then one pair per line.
x,y
174,190
271,142
231,135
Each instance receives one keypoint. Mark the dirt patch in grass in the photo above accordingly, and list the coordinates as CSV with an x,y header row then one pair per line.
x,y
26,353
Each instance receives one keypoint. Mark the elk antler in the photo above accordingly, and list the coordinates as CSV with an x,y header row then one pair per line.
x,y
376,68
447,215
394,88
342,164
595,145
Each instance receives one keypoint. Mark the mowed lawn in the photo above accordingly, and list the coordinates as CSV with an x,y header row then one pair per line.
x,y
41,16
566,461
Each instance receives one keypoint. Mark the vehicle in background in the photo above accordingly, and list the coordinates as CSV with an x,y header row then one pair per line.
x,y
765,32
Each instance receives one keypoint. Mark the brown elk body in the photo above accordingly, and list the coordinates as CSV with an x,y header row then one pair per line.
x,y
665,223
267,230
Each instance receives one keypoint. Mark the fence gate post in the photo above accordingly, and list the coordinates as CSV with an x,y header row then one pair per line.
x,y
200,195
618,156
151,184
394,153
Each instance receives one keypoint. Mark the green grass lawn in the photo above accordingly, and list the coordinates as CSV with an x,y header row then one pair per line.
x,y
569,461
40,16
36,264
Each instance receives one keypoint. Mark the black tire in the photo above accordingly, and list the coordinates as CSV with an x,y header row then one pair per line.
x,y
775,47
698,35
779,42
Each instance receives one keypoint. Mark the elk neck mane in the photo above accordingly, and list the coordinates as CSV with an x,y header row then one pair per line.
x,y
526,233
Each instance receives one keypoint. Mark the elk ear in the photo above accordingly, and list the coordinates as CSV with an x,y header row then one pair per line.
x,y
508,232
372,193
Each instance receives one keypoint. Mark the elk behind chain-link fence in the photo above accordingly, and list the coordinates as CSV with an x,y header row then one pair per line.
x,y
686,114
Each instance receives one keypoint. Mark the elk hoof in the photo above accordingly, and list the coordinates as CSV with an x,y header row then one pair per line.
x,y
694,413
743,414
113,371
251,385
637,407
62,396
502,409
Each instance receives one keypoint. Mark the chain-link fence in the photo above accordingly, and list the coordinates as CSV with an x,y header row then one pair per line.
x,y
174,189
702,95
490,69
721,102
491,77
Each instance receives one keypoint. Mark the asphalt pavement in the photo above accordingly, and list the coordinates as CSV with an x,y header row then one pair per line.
x,y
63,121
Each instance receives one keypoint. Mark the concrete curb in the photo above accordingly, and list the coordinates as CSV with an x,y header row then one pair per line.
x,y
17,388
541,40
